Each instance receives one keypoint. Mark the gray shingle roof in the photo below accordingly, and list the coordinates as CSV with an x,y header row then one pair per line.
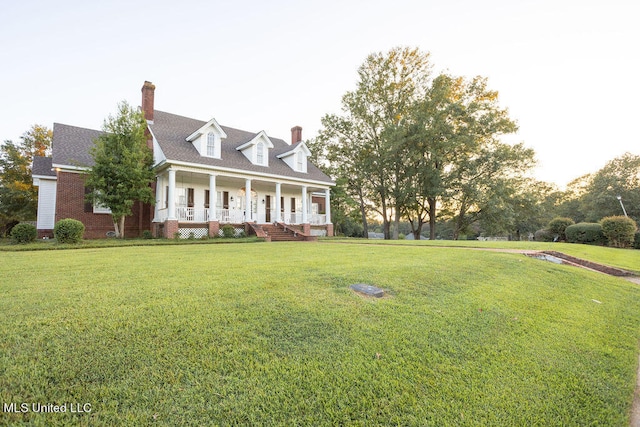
x,y
71,147
42,166
171,132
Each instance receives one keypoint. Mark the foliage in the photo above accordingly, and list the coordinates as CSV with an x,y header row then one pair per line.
x,y
557,227
228,231
543,235
585,232
364,143
619,230
146,234
18,195
122,172
636,240
68,231
119,337
619,177
24,233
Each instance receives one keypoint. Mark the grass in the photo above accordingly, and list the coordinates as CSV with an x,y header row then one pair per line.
x,y
627,259
270,334
52,244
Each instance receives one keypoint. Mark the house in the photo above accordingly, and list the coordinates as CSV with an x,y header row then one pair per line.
x,y
207,175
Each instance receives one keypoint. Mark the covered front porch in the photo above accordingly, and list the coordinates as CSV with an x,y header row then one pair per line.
x,y
186,197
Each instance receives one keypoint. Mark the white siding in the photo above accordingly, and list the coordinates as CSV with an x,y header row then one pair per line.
x,y
46,204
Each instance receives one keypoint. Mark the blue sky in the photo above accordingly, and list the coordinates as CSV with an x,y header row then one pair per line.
x,y
566,70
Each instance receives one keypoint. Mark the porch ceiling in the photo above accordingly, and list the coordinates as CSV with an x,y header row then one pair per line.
x,y
202,179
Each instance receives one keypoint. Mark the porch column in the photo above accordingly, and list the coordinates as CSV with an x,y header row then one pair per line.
x,y
171,202
278,207
247,200
305,218
327,205
213,195
158,198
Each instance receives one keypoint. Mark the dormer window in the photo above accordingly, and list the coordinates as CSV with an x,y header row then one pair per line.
x,y
211,144
260,153
208,139
300,161
257,149
296,158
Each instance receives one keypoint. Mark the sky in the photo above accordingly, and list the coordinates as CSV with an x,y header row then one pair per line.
x,y
567,70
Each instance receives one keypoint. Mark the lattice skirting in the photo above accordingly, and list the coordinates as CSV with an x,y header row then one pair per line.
x,y
198,233
238,231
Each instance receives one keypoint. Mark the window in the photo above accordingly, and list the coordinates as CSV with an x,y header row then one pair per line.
x,y
190,203
211,144
260,153
300,160
206,199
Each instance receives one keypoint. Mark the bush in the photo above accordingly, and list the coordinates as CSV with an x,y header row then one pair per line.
x,y
68,231
585,232
543,235
228,231
24,233
146,234
558,225
620,230
636,240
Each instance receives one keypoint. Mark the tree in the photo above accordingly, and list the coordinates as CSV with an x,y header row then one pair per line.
x,y
122,170
365,142
18,196
619,177
456,155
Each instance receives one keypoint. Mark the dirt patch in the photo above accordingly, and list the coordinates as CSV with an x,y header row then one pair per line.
x,y
612,271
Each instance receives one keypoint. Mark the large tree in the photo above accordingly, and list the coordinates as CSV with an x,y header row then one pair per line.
x,y
620,177
18,196
455,154
122,170
364,143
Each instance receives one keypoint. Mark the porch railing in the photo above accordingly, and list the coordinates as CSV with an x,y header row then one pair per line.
x,y
237,216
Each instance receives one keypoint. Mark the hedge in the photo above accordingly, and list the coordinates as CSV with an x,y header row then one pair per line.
x,y
557,227
68,231
24,233
585,232
619,230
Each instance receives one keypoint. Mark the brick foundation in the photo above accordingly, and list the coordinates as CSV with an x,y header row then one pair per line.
x,y
214,228
306,229
329,230
170,228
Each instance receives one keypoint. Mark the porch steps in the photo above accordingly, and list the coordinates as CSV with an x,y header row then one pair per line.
x,y
280,233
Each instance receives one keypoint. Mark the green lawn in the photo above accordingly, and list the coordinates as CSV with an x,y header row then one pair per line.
x,y
628,259
270,334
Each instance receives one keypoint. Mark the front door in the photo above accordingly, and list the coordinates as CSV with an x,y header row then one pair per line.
x,y
268,209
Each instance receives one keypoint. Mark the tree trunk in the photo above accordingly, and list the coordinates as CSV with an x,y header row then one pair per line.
x,y
432,217
396,225
363,213
118,224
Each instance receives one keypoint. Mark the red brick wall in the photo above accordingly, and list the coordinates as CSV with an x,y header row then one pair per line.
x,y
70,204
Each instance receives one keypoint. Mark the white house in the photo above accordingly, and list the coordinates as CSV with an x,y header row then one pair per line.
x,y
207,175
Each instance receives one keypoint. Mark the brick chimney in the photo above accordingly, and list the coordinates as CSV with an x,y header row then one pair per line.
x,y
148,89
296,134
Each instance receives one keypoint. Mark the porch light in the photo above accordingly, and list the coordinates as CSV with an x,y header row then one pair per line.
x,y
231,198
263,201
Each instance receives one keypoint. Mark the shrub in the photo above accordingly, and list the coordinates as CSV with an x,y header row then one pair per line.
x,y
24,233
636,240
585,232
146,234
228,231
68,231
543,235
620,230
558,225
